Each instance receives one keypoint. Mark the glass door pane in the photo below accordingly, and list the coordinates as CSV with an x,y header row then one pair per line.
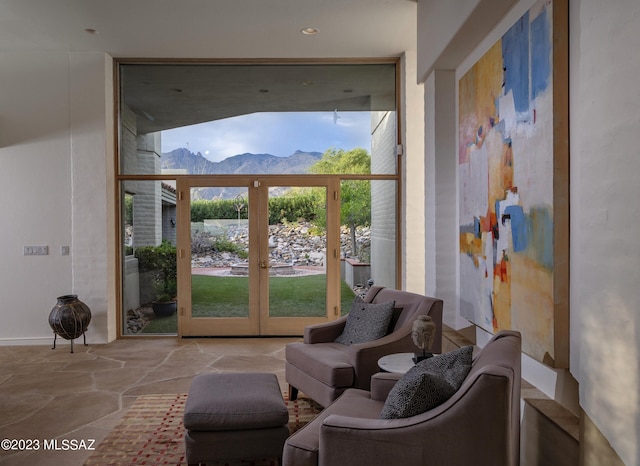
x,y
219,255
148,222
220,275
297,252
300,269
368,233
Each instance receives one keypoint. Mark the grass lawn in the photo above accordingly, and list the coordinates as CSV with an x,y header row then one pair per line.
x,y
229,297
306,298
162,325
219,296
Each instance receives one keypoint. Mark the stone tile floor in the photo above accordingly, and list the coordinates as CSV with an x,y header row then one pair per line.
x,y
54,394
47,394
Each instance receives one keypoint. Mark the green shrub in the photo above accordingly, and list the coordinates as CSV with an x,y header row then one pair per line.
x,y
163,261
296,206
202,210
222,244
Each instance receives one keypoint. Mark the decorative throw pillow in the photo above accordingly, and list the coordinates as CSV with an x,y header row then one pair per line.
x,y
366,322
428,384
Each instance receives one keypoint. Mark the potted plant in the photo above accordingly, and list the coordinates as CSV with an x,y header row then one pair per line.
x,y
165,303
161,260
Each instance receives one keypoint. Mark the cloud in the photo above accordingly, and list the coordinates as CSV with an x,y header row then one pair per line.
x,y
279,134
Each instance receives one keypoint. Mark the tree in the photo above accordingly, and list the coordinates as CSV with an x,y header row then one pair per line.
x,y
355,195
337,162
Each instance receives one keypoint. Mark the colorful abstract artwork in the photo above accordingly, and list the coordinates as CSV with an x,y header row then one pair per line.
x,y
509,187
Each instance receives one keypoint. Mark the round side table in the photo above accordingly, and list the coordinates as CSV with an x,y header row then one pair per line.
x,y
397,363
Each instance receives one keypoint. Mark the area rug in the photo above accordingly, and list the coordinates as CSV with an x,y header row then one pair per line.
x,y
152,433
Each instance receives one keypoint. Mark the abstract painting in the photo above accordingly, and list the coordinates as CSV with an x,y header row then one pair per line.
x,y
513,184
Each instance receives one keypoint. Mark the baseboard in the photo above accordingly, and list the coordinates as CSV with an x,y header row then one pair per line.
x,y
36,341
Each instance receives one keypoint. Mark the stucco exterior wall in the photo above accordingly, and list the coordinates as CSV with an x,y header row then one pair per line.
x,y
383,199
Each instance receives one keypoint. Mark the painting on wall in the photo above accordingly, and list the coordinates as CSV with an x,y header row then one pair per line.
x,y
513,184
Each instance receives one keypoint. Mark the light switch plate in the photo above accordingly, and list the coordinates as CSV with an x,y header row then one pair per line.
x,y
36,250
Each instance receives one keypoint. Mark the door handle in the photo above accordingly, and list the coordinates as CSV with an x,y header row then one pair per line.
x,y
264,265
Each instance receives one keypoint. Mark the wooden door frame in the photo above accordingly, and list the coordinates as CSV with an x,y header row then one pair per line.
x,y
295,326
258,321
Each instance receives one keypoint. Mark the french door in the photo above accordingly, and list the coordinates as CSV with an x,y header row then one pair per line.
x,y
248,275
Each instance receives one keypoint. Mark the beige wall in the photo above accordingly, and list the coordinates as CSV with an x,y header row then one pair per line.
x,y
441,194
55,158
413,194
605,297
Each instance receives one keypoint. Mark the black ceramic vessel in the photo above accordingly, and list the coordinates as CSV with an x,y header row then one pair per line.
x,y
69,318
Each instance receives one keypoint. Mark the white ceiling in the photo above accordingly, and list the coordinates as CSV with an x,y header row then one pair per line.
x,y
211,28
229,29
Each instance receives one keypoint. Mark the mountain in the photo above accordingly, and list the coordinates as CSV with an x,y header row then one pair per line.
x,y
255,164
258,164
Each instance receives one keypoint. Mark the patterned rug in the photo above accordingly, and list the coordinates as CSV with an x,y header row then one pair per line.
x,y
151,433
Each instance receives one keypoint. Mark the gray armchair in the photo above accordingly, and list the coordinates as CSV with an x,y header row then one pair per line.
x,y
323,368
479,425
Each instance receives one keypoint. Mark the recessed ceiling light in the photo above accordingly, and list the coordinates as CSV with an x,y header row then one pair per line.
x,y
91,31
308,83
309,31
264,91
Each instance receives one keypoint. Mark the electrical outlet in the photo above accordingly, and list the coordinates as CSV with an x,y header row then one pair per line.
x,y
36,250
64,250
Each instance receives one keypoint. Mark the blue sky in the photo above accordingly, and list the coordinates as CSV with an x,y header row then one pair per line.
x,y
279,134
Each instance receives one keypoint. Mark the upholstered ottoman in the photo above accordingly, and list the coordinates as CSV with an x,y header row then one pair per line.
x,y
233,416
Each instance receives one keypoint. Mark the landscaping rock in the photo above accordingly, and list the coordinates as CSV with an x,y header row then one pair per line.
x,y
294,244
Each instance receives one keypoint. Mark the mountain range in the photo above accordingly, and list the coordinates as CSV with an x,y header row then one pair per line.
x,y
259,164
255,164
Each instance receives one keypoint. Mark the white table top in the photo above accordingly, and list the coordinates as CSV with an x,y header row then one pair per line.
x,y
397,363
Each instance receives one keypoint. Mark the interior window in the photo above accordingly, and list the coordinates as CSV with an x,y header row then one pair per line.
x,y
209,119
177,119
